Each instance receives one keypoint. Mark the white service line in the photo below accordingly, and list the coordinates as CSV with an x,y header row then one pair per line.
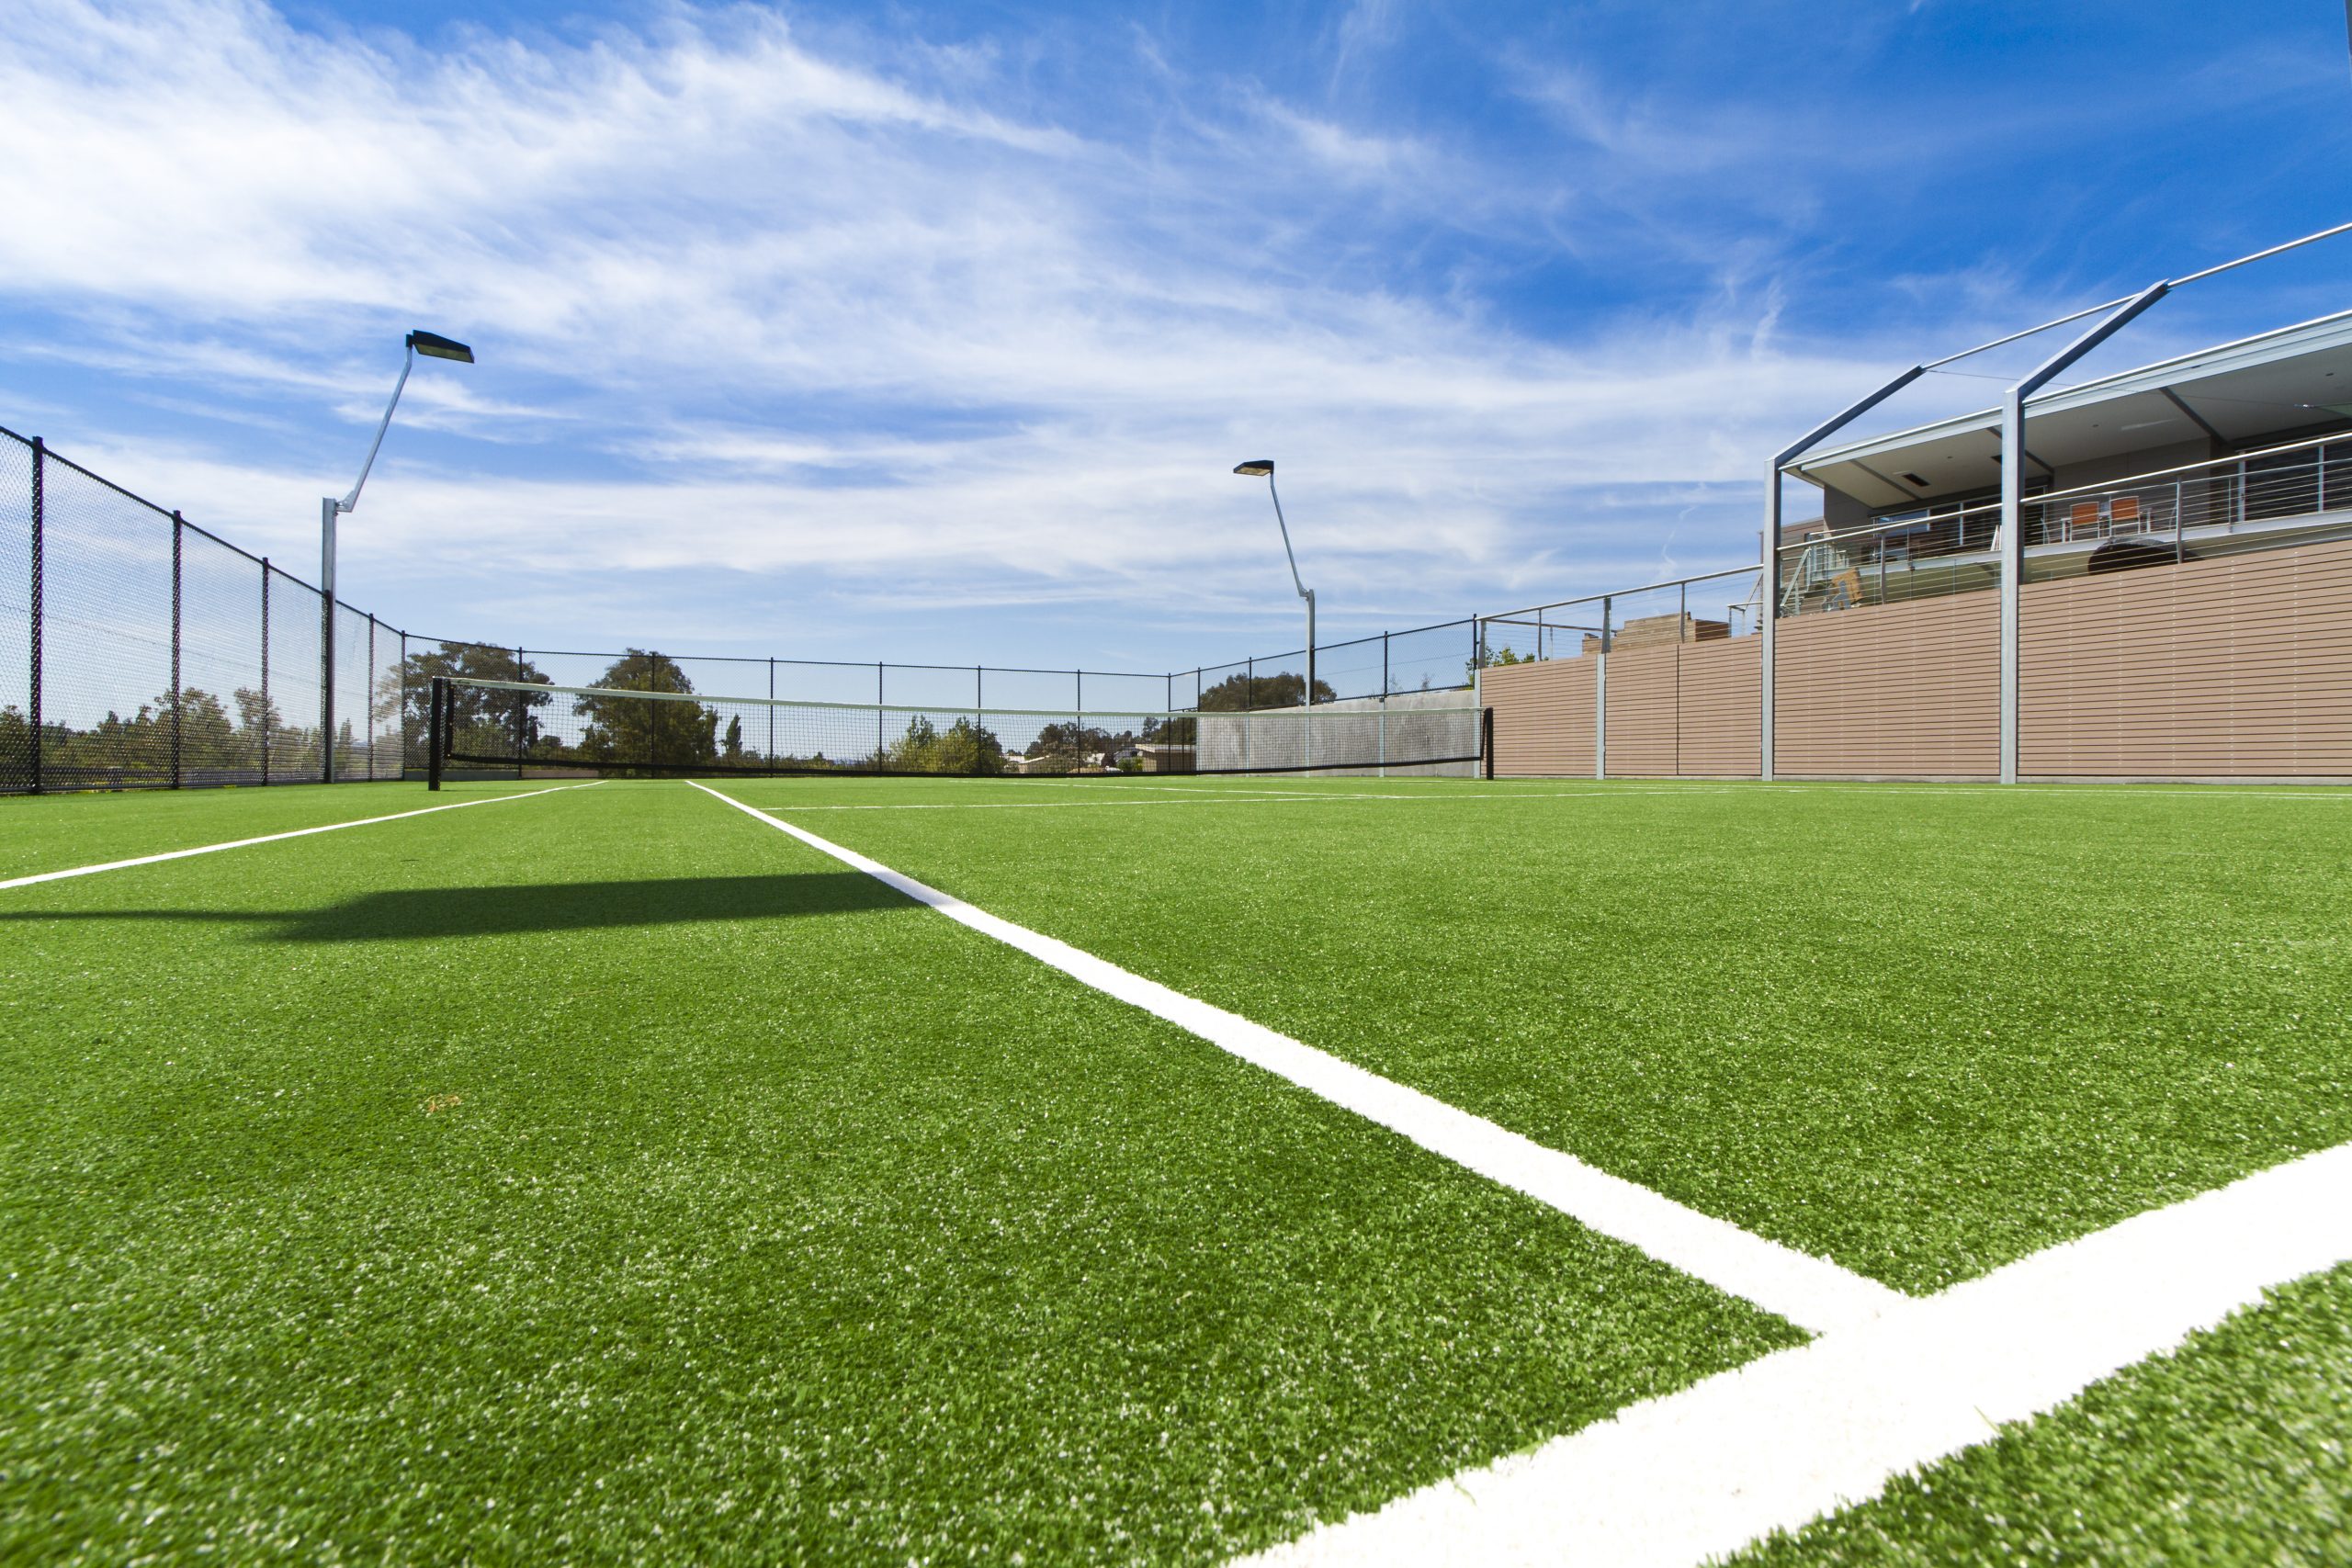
x,y
1798,1434
1812,1293
274,837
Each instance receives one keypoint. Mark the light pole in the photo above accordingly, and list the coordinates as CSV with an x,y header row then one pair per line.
x,y
432,346
1252,469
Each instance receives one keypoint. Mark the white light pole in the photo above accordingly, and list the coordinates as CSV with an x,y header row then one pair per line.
x,y
1252,469
432,346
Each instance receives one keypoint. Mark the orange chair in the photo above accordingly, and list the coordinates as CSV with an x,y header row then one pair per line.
x,y
2124,514
2082,523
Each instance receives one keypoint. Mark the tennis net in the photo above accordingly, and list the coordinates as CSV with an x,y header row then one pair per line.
x,y
524,729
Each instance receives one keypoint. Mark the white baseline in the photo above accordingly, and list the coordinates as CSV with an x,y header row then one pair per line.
x,y
1812,1293
274,837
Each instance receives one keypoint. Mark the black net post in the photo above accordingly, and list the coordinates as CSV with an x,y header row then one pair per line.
x,y
435,697
32,691
179,526
1487,742
267,724
1384,670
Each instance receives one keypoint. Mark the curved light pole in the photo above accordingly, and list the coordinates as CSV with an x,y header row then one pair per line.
x,y
432,346
1252,469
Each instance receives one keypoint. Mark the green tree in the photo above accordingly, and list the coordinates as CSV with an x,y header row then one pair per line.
x,y
489,716
632,733
734,744
1284,689
964,747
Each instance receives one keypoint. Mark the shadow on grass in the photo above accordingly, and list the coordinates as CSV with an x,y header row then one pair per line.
x,y
414,913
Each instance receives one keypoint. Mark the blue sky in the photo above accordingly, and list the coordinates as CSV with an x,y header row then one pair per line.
x,y
932,331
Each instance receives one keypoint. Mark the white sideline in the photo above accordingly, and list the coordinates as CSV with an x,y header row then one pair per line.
x,y
1809,1292
1785,1440
273,838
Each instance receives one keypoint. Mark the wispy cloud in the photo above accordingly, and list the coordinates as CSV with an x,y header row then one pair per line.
x,y
774,314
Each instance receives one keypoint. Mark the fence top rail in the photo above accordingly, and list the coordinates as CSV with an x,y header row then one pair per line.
x,y
1910,516
1622,592
867,664
920,709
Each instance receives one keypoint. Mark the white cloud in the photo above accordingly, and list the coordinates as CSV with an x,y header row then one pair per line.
x,y
779,320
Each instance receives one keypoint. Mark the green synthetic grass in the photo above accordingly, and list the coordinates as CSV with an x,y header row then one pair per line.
x,y
2236,1449
1922,1030
605,1177
53,832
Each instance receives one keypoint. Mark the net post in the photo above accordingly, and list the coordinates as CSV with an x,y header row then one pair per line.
x,y
435,741
179,527
1487,741
32,688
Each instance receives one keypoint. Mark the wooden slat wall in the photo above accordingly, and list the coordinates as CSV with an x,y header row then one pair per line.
x,y
1543,717
1722,698
2234,668
1689,710
1643,711
1910,690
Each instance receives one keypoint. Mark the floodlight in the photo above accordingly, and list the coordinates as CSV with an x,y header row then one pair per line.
x,y
434,346
1256,468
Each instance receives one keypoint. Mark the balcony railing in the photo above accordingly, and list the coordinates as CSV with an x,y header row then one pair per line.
x,y
2261,500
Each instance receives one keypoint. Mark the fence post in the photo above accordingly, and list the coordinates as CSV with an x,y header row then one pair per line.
x,y
1601,693
265,722
32,693
522,713
371,731
436,740
881,692
771,768
178,524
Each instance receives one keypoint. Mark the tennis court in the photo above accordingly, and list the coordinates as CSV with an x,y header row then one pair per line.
x,y
1062,1170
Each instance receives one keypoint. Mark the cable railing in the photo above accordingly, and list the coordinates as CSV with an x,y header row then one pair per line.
x,y
1706,607
2262,498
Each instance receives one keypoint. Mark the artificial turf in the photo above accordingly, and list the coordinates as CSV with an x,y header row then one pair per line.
x,y
604,1177
51,832
2237,1448
1921,1030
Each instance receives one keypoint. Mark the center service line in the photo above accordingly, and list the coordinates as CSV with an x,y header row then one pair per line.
x,y
1811,1293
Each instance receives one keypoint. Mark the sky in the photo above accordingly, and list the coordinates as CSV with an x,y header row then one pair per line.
x,y
932,331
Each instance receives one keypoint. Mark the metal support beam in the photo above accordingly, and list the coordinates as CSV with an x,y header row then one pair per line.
x,y
1600,691
1770,584
2012,542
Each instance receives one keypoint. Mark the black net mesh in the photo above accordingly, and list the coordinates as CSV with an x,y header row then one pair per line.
x,y
221,662
106,635
16,752
531,729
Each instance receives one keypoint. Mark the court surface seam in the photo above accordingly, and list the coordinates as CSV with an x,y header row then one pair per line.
x,y
1812,1293
274,837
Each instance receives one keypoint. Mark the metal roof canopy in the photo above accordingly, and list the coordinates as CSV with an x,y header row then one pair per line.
x,y
2293,378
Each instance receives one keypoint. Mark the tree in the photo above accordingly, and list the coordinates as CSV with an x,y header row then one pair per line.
x,y
490,715
734,746
964,747
1285,689
632,732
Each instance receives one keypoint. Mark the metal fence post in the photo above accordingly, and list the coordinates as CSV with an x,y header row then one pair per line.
x,y
771,713
267,726
178,524
521,715
372,773
32,692
1601,693
880,694
436,735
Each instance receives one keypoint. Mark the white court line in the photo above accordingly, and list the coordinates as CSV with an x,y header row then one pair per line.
x,y
1798,1434
274,837
1812,1293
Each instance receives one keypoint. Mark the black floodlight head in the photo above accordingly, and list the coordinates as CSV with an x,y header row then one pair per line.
x,y
432,346
1256,468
